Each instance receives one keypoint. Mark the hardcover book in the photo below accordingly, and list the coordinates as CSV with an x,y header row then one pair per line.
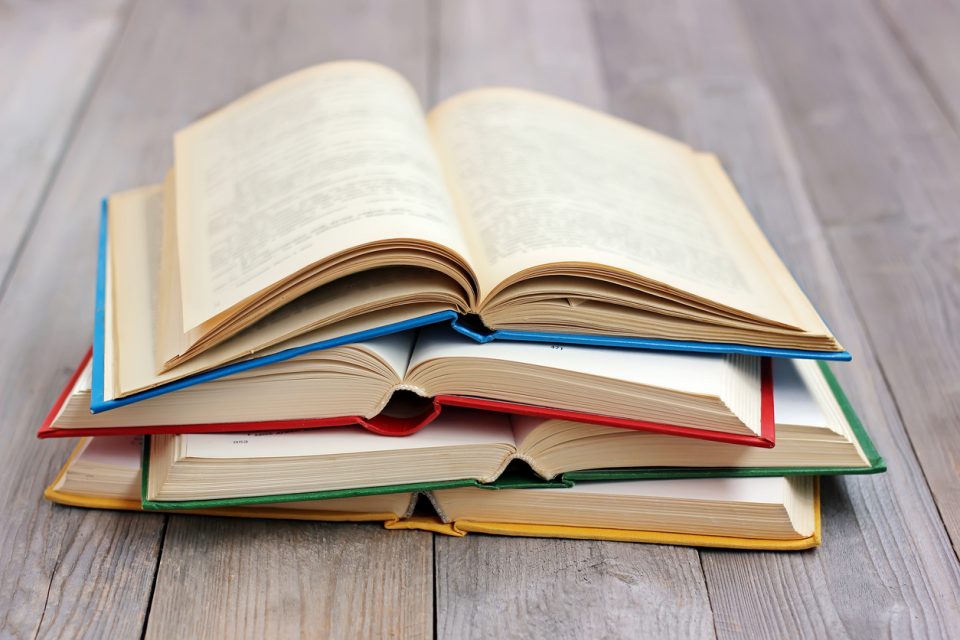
x,y
397,384
327,207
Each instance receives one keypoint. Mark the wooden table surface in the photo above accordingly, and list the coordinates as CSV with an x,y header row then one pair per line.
x,y
840,123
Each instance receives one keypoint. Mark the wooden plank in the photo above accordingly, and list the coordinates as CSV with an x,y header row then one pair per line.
x,y
862,516
59,566
222,578
535,44
707,91
883,165
927,30
496,587
49,57
104,569
63,572
502,587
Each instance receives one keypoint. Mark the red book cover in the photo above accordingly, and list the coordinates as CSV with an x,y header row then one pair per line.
x,y
393,426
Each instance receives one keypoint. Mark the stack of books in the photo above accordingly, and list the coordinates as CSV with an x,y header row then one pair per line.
x,y
510,315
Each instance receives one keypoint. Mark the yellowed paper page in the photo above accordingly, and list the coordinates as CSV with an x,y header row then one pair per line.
x,y
312,165
545,181
689,373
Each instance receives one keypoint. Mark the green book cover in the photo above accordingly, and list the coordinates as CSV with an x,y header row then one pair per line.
x,y
876,463
520,476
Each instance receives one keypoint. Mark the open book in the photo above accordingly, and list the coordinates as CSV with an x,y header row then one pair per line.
x,y
326,202
397,384
759,513
468,448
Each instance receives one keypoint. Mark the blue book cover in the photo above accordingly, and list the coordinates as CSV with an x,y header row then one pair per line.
x,y
463,325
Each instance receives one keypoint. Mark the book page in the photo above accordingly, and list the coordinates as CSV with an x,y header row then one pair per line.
x,y
542,181
693,373
757,490
114,451
455,428
133,240
793,401
393,349
320,162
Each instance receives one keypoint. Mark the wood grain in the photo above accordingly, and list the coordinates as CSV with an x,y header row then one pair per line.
x,y
927,32
49,57
883,166
63,572
495,587
223,578
541,45
715,100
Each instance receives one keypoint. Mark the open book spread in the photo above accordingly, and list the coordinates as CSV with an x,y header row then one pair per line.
x,y
772,508
327,202
716,392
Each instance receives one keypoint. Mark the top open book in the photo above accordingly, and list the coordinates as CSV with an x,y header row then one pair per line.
x,y
328,201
